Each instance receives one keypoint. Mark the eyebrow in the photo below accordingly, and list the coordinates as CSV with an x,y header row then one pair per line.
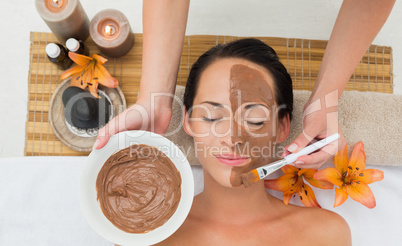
x,y
254,105
214,104
246,107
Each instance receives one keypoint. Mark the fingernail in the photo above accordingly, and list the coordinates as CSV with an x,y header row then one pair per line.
x,y
96,144
292,147
299,163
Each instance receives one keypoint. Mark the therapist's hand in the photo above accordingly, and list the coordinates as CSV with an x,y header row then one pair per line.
x,y
164,25
356,26
140,116
318,122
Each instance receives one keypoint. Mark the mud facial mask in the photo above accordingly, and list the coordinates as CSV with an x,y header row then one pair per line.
x,y
139,189
249,85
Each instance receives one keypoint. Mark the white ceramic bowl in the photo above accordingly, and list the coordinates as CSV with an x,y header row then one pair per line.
x,y
88,196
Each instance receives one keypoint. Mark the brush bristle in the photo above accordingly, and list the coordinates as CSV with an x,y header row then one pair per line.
x,y
250,178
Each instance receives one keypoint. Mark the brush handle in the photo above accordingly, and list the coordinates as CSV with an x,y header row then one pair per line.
x,y
311,148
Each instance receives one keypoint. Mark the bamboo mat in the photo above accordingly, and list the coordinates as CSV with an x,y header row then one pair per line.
x,y
301,57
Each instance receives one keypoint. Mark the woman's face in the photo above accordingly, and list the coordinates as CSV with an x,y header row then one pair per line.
x,y
234,120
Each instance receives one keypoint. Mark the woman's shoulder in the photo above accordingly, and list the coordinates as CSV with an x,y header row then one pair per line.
x,y
323,226
189,232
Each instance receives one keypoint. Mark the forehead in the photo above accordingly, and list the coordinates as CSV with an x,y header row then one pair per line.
x,y
215,81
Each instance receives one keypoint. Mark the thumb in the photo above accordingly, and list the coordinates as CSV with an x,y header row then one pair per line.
x,y
101,142
105,132
102,139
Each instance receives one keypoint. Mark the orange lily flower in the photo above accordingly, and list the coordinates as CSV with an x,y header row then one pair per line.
x,y
351,177
89,72
293,182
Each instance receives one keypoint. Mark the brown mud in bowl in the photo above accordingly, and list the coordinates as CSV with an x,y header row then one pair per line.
x,y
138,188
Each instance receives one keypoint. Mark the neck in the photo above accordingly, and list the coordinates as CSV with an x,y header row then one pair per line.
x,y
237,205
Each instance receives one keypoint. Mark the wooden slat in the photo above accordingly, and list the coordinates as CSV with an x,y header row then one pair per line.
x,y
301,57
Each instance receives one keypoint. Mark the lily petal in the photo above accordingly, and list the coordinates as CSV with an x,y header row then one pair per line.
x,y
99,58
290,169
87,75
369,176
284,183
361,193
104,77
80,60
307,197
329,174
341,160
357,161
340,197
93,88
307,172
76,80
71,71
322,184
286,197
308,175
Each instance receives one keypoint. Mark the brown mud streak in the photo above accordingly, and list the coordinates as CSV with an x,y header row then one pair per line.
x,y
248,85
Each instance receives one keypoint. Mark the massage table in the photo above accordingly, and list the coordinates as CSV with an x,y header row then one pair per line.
x,y
40,205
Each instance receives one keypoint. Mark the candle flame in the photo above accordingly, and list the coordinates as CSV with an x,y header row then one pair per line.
x,y
110,30
56,3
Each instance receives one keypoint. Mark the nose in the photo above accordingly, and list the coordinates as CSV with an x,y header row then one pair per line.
x,y
236,136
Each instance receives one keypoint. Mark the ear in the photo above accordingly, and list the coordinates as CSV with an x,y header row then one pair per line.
x,y
186,122
283,129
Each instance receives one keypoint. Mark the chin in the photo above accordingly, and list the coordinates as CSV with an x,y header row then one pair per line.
x,y
223,180
217,174
226,184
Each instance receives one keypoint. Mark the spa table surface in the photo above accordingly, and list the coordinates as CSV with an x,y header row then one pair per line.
x,y
39,205
302,58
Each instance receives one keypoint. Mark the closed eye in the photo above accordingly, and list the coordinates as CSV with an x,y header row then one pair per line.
x,y
210,119
256,123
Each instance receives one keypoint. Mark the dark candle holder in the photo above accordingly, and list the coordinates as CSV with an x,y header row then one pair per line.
x,y
84,111
76,116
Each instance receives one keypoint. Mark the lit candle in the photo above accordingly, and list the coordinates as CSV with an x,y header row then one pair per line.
x,y
65,18
111,32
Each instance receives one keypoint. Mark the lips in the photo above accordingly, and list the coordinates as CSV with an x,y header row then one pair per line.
x,y
232,159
